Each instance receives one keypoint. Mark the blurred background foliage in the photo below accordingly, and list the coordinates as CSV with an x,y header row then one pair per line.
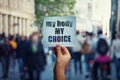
x,y
52,8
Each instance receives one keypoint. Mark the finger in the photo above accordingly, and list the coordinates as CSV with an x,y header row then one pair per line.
x,y
65,50
58,50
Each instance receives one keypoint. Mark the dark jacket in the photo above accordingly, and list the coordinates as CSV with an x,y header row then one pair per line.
x,y
21,49
6,50
34,61
1,49
1,46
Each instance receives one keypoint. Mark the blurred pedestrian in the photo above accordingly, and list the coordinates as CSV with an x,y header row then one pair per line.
x,y
13,43
89,57
76,53
5,57
21,55
115,51
1,45
102,61
85,51
34,57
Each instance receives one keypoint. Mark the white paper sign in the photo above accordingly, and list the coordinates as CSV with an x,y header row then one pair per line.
x,y
59,30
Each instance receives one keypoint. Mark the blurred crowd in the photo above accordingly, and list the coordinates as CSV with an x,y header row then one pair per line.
x,y
92,54
28,52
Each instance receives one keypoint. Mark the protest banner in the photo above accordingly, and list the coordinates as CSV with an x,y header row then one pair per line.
x,y
59,30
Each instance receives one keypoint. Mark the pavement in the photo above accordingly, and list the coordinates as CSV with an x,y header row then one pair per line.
x,y
48,73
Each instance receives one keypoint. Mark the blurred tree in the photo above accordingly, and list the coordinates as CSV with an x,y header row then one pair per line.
x,y
52,8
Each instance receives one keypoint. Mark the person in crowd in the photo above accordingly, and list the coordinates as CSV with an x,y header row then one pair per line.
x,y
5,57
13,43
102,61
1,39
115,51
3,35
40,37
76,53
89,57
20,55
1,44
100,35
85,51
34,57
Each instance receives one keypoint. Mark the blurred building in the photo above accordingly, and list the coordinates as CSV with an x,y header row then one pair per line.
x,y
118,17
114,22
101,15
93,15
16,16
83,15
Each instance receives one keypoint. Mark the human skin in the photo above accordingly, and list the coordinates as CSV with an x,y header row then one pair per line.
x,y
62,59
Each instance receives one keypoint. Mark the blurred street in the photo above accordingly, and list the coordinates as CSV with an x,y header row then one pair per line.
x,y
48,73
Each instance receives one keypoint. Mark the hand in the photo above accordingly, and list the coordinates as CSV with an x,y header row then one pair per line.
x,y
63,56
62,59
